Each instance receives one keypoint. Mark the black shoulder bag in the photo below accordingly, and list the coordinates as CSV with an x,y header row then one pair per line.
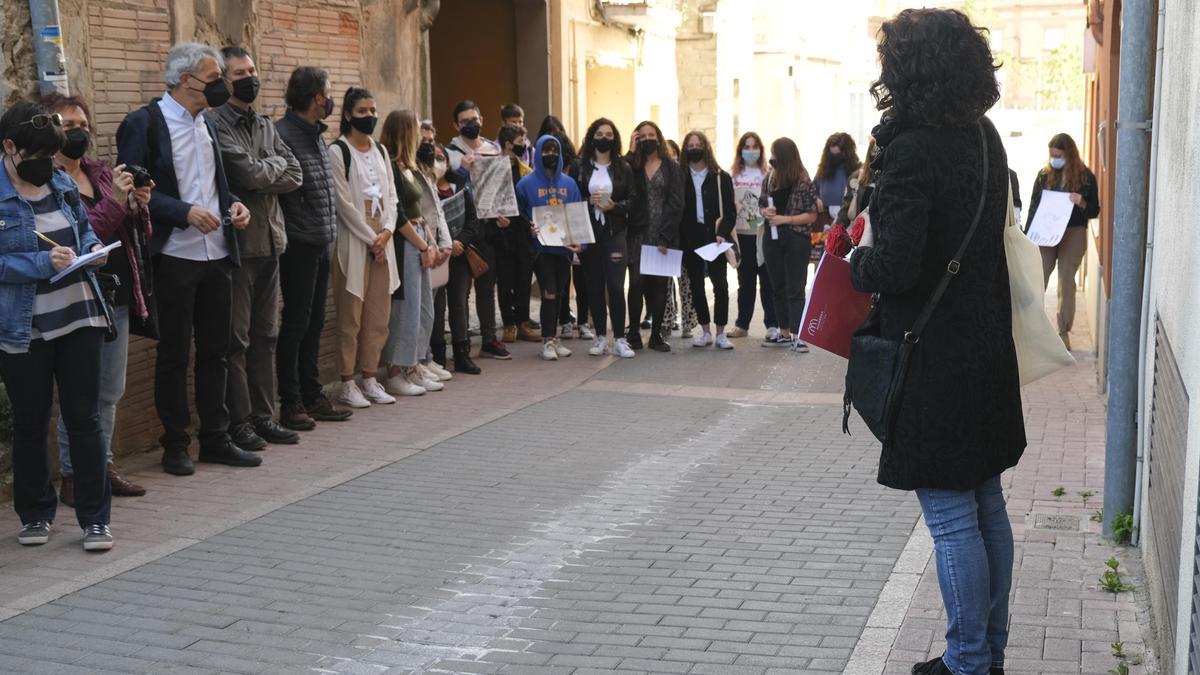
x,y
878,366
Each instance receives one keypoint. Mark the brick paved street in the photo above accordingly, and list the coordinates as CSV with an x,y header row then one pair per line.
x,y
698,512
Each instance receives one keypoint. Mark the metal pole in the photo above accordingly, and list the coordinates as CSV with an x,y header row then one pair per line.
x,y
48,46
1129,239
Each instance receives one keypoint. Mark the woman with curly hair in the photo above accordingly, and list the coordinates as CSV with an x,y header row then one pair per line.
x,y
937,224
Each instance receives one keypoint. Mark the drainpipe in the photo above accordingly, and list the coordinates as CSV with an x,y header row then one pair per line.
x,y
48,47
1125,321
1143,445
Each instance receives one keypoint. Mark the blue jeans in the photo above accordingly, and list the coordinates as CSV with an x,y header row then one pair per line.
x,y
411,322
113,358
973,542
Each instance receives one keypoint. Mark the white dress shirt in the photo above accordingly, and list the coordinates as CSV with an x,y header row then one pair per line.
x,y
196,172
698,181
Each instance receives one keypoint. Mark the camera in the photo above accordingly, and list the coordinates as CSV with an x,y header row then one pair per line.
x,y
141,177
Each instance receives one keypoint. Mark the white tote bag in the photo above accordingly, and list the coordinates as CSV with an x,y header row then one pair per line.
x,y
1039,349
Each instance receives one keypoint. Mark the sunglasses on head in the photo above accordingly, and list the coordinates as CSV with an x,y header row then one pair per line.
x,y
43,120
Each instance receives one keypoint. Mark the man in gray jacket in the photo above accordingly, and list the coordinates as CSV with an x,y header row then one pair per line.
x,y
260,166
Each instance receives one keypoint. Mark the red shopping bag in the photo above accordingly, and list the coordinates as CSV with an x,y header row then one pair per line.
x,y
834,310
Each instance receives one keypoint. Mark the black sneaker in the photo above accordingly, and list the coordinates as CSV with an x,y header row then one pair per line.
x,y
270,431
658,344
177,462
97,537
646,324
931,667
635,340
495,349
244,437
229,455
34,534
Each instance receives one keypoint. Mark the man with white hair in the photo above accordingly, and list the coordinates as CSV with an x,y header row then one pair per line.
x,y
194,248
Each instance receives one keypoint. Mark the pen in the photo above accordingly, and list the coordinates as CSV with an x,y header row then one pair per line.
x,y
46,239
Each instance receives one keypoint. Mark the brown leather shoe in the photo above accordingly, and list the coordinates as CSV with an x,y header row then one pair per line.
x,y
510,334
121,487
323,410
294,416
66,493
528,333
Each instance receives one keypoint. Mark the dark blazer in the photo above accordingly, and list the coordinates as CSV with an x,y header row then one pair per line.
x,y
666,231
960,421
623,195
167,210
693,235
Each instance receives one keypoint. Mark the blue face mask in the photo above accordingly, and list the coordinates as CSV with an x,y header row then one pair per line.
x,y
1058,162
751,156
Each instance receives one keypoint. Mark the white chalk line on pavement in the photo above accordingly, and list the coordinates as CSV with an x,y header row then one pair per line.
x,y
883,626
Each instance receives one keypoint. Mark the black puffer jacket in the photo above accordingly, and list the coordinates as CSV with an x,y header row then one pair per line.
x,y
960,421
308,211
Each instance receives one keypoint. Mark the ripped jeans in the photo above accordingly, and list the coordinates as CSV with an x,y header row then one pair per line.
x,y
604,266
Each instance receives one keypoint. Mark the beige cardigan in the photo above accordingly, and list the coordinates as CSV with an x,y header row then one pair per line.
x,y
354,234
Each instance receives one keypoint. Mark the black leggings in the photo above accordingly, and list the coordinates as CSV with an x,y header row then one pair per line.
x,y
582,297
697,268
553,276
604,267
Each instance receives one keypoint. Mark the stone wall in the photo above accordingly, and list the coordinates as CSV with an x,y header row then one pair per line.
x,y
696,63
115,50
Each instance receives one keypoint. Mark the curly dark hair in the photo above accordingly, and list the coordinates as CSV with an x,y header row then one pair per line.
x,y
588,149
936,69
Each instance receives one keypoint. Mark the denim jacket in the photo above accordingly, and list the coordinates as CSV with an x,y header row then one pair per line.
x,y
22,265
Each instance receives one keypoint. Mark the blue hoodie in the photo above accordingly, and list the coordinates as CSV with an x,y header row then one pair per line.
x,y
538,189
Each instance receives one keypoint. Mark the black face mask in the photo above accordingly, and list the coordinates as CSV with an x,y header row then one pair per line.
x,y
470,130
550,162
36,171
648,146
426,153
246,89
695,154
328,107
78,141
215,92
519,150
602,144
835,159
364,124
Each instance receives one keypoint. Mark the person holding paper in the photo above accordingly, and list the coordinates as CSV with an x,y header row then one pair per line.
x,y
1066,172
606,182
788,247
546,186
709,214
49,332
117,211
658,184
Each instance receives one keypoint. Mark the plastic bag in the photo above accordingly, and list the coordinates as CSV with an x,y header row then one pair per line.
x,y
1039,349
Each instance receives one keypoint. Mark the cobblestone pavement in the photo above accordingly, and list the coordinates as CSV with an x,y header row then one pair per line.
x,y
697,512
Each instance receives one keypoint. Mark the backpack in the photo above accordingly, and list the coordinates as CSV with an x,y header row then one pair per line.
x,y
346,154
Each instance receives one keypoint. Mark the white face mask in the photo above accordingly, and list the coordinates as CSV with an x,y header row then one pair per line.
x,y
439,169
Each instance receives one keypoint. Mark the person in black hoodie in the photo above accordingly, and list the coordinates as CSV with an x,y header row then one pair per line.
x,y
607,183
709,214
658,184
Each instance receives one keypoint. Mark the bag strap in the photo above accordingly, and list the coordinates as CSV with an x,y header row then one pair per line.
x,y
913,336
345,155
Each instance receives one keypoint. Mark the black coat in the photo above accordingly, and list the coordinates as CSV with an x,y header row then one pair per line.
x,y
693,235
960,421
623,196
1079,217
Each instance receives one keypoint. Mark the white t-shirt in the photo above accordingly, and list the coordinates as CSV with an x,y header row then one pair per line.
x,y
747,186
601,181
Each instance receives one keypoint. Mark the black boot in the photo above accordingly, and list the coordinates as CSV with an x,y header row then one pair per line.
x,y
462,359
439,354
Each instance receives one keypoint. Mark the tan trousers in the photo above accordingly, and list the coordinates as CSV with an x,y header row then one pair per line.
x,y
1067,255
362,324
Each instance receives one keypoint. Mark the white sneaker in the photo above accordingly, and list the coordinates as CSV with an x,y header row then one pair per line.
x,y
431,381
373,391
437,370
566,331
723,342
349,395
399,386
799,347
623,350
561,350
772,333
586,332
702,340
600,347
548,351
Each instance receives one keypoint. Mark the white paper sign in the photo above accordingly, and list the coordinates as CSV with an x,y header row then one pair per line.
x,y
491,182
657,264
710,252
1051,218
85,260
563,224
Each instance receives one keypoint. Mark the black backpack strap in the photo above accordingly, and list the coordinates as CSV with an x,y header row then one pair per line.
x,y
382,152
345,155
913,336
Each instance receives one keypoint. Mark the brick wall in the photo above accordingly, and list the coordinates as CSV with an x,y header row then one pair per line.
x,y
696,63
115,51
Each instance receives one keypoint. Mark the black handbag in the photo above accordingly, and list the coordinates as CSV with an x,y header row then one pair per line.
x,y
878,367
105,286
